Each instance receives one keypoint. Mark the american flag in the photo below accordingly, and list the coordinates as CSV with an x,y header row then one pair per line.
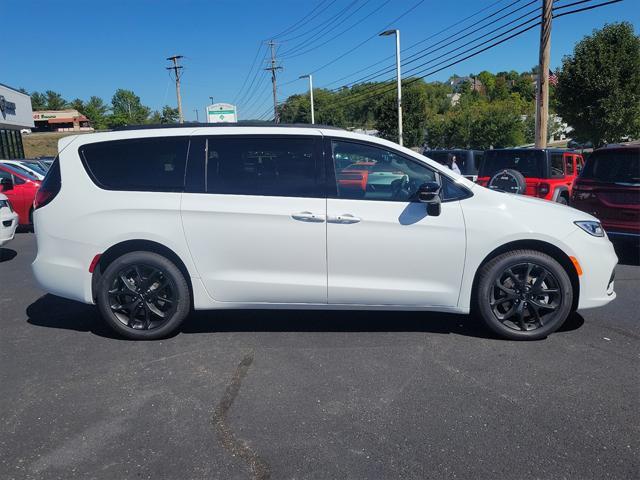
x,y
553,78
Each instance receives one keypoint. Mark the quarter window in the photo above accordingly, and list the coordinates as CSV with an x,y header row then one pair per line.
x,y
372,173
569,162
149,164
269,166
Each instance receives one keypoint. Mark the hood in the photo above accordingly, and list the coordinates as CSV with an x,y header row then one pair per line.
x,y
541,206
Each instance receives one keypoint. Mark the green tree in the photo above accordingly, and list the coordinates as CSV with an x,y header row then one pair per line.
x,y
168,115
598,90
77,104
414,115
96,111
38,101
127,109
54,100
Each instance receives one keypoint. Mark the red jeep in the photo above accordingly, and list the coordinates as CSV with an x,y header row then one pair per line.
x,y
609,188
544,173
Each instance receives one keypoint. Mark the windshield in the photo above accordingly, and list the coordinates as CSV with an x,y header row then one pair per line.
x,y
528,162
614,166
36,167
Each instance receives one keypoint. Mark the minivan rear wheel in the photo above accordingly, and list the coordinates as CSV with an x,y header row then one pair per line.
x,y
143,296
524,295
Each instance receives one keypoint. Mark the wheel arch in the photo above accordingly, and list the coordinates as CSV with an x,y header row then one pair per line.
x,y
128,246
554,252
559,191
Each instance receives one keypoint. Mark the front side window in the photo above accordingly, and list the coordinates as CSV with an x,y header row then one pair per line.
x,y
569,163
557,165
148,164
369,172
270,166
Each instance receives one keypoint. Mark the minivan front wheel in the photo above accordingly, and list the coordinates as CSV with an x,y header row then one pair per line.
x,y
524,295
143,296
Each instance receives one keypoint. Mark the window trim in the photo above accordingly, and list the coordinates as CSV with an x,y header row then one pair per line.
x,y
332,182
100,185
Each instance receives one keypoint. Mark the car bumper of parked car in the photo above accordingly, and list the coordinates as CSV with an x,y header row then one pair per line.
x,y
597,260
8,225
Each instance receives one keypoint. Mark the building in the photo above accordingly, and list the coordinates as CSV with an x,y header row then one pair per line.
x,y
60,121
15,115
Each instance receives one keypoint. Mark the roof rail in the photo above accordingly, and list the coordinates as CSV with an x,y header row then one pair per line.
x,y
248,123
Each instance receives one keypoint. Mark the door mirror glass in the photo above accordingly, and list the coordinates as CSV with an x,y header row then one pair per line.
x,y
6,184
429,192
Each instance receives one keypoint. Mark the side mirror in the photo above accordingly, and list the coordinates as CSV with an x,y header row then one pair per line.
x,y
429,193
6,184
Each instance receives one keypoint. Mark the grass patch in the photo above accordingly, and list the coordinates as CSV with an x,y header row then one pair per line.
x,y
44,144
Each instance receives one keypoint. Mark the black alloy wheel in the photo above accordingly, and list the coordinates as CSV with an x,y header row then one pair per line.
x,y
143,296
523,295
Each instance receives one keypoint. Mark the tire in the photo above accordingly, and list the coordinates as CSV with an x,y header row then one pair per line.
x,y
509,293
143,296
508,180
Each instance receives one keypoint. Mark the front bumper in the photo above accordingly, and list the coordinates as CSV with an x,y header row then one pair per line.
x,y
8,225
598,260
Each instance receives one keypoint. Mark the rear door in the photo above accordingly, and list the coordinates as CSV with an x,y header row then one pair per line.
x,y
383,247
254,217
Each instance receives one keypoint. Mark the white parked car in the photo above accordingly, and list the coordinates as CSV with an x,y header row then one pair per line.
x,y
151,223
8,220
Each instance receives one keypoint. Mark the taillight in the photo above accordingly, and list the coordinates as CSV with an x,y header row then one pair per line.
x,y
543,189
50,186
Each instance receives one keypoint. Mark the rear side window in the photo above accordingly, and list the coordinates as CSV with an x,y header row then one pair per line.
x,y
614,166
269,166
148,164
557,165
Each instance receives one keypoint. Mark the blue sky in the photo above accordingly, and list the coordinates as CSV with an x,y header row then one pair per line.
x,y
84,48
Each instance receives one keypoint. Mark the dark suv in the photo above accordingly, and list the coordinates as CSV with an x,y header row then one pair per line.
x,y
544,173
609,189
468,161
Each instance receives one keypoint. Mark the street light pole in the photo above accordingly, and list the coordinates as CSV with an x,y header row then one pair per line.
x,y
398,79
310,77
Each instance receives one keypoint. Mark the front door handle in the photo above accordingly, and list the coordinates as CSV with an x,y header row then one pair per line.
x,y
344,219
308,217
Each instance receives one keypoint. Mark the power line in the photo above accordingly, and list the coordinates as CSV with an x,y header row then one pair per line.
x,y
305,47
320,26
299,23
425,52
406,12
427,38
386,87
253,63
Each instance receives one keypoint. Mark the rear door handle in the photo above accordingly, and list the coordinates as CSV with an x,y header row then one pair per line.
x,y
308,217
344,219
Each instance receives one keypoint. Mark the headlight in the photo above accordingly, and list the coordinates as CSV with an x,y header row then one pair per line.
x,y
592,228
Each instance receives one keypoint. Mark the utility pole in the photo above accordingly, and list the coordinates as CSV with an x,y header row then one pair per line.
x,y
398,79
176,68
310,77
273,69
197,118
542,88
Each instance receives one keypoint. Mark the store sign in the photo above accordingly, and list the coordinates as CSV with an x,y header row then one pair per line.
x,y
6,106
222,113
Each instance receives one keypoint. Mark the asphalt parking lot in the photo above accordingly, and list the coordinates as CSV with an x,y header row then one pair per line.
x,y
297,395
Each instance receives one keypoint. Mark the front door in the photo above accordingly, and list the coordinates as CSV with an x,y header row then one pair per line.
x,y
256,226
383,246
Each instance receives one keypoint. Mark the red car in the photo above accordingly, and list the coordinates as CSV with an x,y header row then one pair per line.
x,y
609,189
544,173
20,188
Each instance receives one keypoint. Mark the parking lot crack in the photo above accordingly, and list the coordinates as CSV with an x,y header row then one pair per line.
x,y
258,468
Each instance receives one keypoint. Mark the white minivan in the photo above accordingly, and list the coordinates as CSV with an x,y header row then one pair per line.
x,y
151,223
